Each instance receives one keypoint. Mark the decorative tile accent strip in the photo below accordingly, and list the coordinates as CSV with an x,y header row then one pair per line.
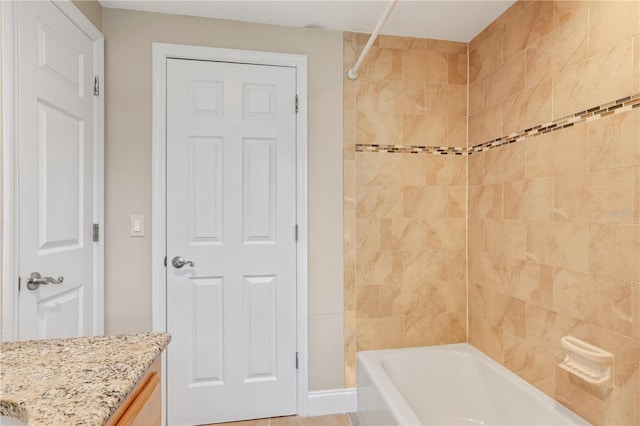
x,y
615,107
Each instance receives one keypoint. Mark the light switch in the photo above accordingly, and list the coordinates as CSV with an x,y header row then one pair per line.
x,y
137,225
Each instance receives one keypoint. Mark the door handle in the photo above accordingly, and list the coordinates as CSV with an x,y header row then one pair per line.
x,y
35,280
179,262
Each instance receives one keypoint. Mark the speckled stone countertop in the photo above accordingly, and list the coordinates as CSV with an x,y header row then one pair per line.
x,y
78,381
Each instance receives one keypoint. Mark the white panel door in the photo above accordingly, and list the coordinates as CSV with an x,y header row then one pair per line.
x,y
231,210
55,173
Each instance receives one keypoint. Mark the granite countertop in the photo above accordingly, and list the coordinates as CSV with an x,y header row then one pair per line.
x,y
77,381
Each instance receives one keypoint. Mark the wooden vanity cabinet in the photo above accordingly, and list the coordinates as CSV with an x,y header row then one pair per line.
x,y
143,406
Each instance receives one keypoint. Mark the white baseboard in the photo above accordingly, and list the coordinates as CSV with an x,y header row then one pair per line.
x,y
334,401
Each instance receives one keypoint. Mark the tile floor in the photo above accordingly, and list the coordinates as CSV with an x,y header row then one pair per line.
x,y
332,420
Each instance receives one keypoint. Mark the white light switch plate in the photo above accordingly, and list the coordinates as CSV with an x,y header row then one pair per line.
x,y
137,225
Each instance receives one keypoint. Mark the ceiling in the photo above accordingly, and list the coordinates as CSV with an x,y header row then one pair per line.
x,y
456,20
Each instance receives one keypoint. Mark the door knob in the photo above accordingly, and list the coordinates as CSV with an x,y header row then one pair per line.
x,y
179,262
35,280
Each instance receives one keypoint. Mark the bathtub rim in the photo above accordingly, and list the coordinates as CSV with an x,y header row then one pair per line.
x,y
372,363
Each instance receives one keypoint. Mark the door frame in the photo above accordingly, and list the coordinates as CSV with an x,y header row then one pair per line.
x,y
161,53
9,189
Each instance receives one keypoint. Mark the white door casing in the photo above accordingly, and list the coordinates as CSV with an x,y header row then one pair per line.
x,y
55,173
161,54
231,211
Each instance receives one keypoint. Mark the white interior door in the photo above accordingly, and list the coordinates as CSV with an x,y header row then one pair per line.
x,y
55,140
231,209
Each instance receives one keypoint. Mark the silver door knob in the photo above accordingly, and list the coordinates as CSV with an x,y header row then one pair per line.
x,y
35,280
179,262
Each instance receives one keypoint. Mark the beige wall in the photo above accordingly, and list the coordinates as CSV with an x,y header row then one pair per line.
x,y
128,166
405,213
92,10
554,219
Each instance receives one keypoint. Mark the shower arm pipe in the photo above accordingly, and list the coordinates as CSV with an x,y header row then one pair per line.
x,y
353,72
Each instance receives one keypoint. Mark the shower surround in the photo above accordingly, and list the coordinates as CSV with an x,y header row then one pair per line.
x,y
551,178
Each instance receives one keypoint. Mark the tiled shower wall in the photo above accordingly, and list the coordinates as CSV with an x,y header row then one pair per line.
x,y
553,198
554,217
404,213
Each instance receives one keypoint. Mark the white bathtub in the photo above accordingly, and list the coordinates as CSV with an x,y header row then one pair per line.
x,y
449,385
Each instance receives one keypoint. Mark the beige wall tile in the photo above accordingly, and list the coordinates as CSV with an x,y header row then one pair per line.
x,y
528,281
563,244
425,201
457,131
486,125
505,164
614,249
445,232
502,20
503,312
566,10
362,38
421,266
424,330
349,135
390,169
485,201
564,47
528,108
381,128
600,196
476,41
476,96
603,78
485,336
349,95
367,235
635,309
458,328
475,239
485,269
506,80
457,68
595,299
545,328
611,23
614,141
378,333
457,265
390,96
636,64
485,57
445,170
427,66
350,348
456,201
476,168
424,130
636,196
404,299
368,302
449,99
404,43
376,201
378,268
445,46
382,64
402,234
529,200
505,238
530,363
557,153
530,25
449,296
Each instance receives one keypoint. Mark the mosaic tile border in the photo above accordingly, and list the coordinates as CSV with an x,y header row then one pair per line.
x,y
595,113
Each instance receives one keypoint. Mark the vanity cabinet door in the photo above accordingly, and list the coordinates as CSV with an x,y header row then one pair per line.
x,y
143,406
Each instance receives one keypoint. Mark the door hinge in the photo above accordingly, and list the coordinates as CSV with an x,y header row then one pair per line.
x,y
96,232
96,86
296,104
296,232
165,261
297,360
19,284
